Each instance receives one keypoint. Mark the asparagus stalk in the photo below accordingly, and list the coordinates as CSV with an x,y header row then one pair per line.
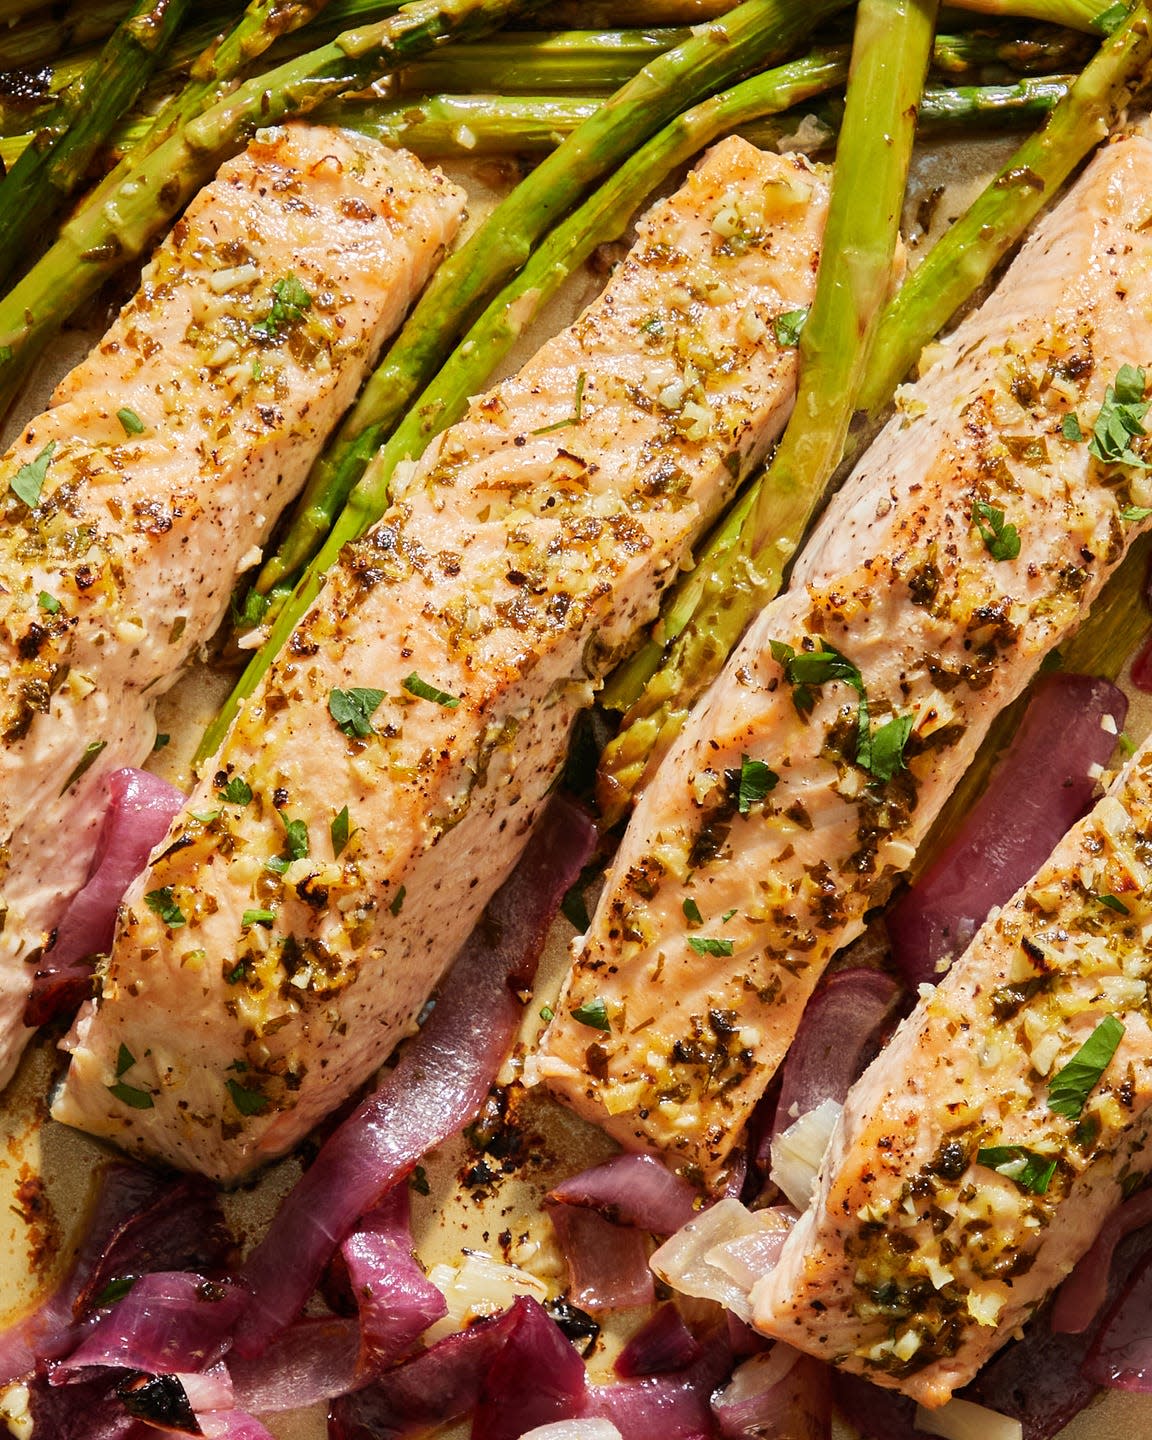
x,y
751,34
739,570
49,35
48,171
1086,15
1033,50
890,54
185,147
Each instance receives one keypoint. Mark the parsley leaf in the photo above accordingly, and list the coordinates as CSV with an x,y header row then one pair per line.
x,y
296,834
1121,418
257,917
423,691
289,302
806,670
163,903
881,751
131,422
28,481
84,764
1112,902
48,603
248,1102
594,1015
398,900
353,709
692,911
418,1180
1133,514
124,1060
1070,1087
1070,427
706,945
573,907
753,781
789,326
236,792
1031,1171
247,614
161,740
341,832
130,1095
1001,541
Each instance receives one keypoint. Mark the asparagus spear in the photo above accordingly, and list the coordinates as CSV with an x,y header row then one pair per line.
x,y
889,59
49,170
144,192
739,570
49,35
751,34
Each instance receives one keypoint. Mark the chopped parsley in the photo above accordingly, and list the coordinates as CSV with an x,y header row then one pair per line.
x,y
113,1291
249,612
1133,514
692,912
28,481
1070,427
1070,1087
709,945
881,751
84,764
248,1102
130,1095
131,422
236,792
423,691
163,903
124,1060
353,709
1110,20
752,782
573,907
1121,419
789,326
48,603
289,302
161,740
257,917
205,817
594,1015
1001,541
341,832
419,1181
296,836
547,1014
1112,902
1031,1171
398,900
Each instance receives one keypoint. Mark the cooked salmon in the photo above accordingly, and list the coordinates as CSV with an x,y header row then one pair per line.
x,y
973,1163
966,545
399,750
132,504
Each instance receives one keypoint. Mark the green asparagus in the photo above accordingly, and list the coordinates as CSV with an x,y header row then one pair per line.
x,y
53,166
751,34
148,189
709,609
890,54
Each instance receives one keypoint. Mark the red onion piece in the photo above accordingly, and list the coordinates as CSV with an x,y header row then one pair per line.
x,y
232,1425
311,1360
665,1407
212,1390
141,806
168,1321
438,1085
1081,1297
876,1414
1038,790
840,1032
782,1393
1121,1354
1141,669
632,1190
397,1300
433,1388
535,1379
663,1344
607,1264
91,1410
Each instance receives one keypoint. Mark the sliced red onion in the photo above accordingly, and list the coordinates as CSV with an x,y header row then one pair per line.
x,y
396,1299
432,1389
141,806
311,1360
632,1190
876,1414
535,1379
211,1390
91,1410
167,1322
1041,786
1081,1297
661,1345
232,1425
698,1260
842,1029
779,1393
665,1407
438,1085
607,1264
1141,668
1121,1354
575,1430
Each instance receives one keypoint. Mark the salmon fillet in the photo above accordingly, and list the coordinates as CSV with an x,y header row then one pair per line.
x,y
131,505
953,1197
788,806
428,695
